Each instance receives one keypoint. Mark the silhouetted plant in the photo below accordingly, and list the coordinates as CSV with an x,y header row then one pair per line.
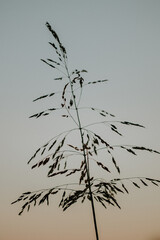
x,y
58,151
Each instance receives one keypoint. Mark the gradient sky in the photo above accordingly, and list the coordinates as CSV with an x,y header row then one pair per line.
x,y
116,39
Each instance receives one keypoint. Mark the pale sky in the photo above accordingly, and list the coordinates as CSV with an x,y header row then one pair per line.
x,y
118,40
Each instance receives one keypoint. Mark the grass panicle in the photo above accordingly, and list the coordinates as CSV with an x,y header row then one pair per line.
x,y
60,153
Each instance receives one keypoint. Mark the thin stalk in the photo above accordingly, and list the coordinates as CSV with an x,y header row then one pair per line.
x,y
92,202
84,155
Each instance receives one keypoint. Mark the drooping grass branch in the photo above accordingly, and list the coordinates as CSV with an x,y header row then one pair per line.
x,y
59,151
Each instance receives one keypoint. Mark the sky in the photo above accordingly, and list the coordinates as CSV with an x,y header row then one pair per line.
x,y
117,40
